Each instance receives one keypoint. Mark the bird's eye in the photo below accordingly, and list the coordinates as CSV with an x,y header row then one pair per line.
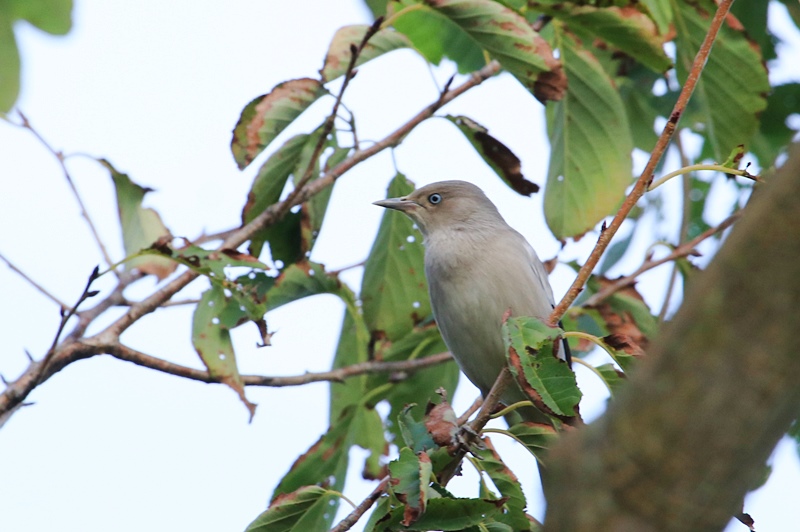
x,y
435,198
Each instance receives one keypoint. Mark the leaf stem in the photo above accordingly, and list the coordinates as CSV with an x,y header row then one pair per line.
x,y
697,167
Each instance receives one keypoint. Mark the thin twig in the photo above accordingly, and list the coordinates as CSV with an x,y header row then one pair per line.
x,y
129,354
474,407
36,285
60,158
647,175
684,250
353,517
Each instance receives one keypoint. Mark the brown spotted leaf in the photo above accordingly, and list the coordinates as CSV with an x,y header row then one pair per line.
x,y
293,512
625,313
442,424
466,30
410,483
339,53
547,379
266,116
496,154
506,483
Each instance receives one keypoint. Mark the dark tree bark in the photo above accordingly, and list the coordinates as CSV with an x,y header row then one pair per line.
x,y
678,449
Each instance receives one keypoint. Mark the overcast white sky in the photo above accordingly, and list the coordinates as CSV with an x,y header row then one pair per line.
x,y
156,88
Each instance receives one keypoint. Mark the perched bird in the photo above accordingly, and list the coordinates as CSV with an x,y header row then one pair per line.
x,y
478,267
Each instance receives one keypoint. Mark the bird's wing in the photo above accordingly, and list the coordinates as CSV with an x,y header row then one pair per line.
x,y
539,272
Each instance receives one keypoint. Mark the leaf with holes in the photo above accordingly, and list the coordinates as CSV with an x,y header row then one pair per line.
x,y
339,55
545,378
212,341
733,88
141,226
464,30
394,291
266,116
590,161
496,154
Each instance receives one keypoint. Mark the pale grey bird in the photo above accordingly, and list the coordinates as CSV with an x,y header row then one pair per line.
x,y
478,267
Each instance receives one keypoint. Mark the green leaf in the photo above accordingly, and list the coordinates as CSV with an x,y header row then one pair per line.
x,y
611,376
293,512
464,29
52,16
417,387
536,437
732,90
496,154
294,235
624,28
774,133
410,483
268,186
351,349
753,15
324,463
590,162
640,107
9,67
529,349
394,291
339,55
141,227
661,13
212,341
506,483
444,514
414,433
266,116
304,279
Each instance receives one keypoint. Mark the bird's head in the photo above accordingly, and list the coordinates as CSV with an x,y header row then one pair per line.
x,y
445,205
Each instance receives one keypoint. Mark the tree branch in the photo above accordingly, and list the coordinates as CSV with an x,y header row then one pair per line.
x,y
33,283
352,518
647,174
128,354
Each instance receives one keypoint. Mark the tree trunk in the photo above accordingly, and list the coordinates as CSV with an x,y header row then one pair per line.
x,y
679,447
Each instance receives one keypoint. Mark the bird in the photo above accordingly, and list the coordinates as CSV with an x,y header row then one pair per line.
x,y
478,269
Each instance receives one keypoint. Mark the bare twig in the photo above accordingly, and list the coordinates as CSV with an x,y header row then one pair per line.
x,y
60,158
128,354
36,285
353,517
684,250
647,175
474,407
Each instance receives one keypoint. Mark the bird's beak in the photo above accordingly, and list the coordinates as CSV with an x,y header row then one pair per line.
x,y
398,204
